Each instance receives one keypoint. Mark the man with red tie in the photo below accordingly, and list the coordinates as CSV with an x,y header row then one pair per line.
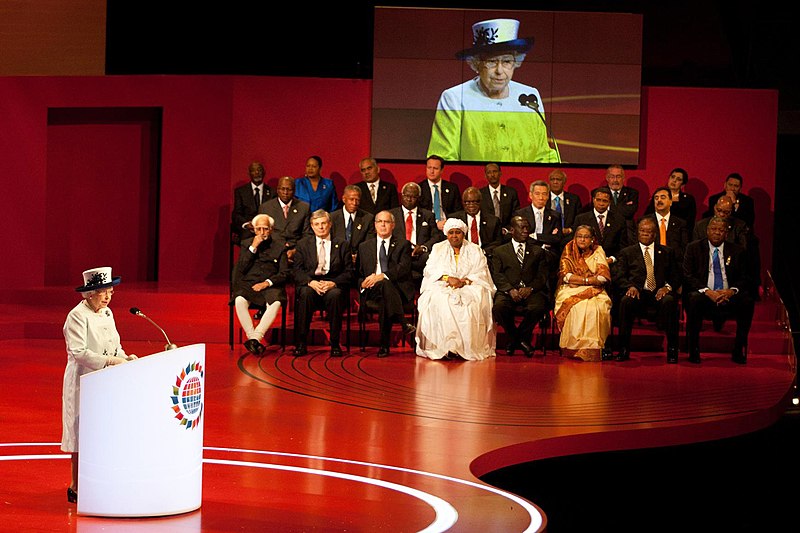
x,y
417,225
483,229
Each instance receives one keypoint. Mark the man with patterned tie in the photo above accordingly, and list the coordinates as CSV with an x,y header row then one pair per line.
x,y
376,194
291,216
418,227
351,223
384,273
246,201
647,277
497,199
715,286
438,195
566,204
483,228
671,230
608,225
323,272
520,273
624,199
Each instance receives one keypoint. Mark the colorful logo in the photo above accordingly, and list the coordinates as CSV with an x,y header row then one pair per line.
x,y
187,395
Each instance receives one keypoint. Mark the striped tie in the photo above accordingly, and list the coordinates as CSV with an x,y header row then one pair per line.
x,y
520,253
650,283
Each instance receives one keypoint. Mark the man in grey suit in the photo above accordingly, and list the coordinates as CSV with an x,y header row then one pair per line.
x,y
351,223
291,216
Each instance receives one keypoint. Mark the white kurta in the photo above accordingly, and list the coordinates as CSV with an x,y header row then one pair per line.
x,y
91,339
456,320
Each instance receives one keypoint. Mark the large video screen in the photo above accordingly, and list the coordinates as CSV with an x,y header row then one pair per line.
x,y
507,86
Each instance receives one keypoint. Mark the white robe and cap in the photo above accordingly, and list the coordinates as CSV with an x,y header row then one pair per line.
x,y
456,320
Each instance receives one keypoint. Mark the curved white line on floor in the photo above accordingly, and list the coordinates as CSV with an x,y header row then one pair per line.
x,y
446,515
533,512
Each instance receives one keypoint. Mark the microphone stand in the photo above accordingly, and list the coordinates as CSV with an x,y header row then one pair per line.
x,y
169,345
531,102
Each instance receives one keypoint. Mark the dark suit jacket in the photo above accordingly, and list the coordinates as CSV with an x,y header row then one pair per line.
x,y
387,197
509,203
450,197
428,233
551,225
738,232
305,262
244,207
745,211
507,273
627,204
295,225
269,262
570,207
399,271
697,259
684,208
677,234
363,227
489,230
615,234
631,272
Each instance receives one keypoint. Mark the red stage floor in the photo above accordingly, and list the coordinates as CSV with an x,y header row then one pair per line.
x,y
367,444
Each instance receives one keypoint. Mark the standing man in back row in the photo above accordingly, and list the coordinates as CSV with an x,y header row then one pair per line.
x,y
497,199
376,194
438,195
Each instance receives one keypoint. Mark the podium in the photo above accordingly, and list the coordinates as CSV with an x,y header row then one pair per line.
x,y
141,436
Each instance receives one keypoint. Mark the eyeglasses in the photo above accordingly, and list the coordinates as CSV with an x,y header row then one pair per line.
x,y
382,221
505,62
263,228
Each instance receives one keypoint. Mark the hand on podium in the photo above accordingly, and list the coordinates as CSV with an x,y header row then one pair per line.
x,y
131,357
114,360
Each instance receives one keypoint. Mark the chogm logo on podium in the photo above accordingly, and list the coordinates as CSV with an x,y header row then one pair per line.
x,y
187,395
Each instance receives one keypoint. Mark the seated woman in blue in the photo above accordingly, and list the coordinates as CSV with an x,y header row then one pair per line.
x,y
315,190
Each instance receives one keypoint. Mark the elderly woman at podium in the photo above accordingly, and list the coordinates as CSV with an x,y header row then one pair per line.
x,y
92,343
455,302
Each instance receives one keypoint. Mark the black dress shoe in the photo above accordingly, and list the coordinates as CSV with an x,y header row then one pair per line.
x,y
300,350
408,329
511,347
607,355
383,352
623,355
738,356
336,351
672,355
253,346
694,356
526,349
72,495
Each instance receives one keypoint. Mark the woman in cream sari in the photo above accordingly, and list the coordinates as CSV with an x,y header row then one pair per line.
x,y
583,309
455,302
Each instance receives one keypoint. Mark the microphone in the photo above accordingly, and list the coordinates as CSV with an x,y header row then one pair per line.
x,y
137,312
532,102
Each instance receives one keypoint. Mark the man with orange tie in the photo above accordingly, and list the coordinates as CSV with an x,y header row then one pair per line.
x,y
715,286
671,230
483,229
416,225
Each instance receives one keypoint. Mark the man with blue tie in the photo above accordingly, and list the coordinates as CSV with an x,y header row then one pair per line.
x,y
351,223
566,204
715,284
438,195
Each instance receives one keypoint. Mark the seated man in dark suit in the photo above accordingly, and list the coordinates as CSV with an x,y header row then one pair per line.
x,y
564,203
246,201
376,194
647,276
483,229
609,227
520,273
323,272
737,230
351,223
715,286
384,275
440,196
497,199
671,230
418,226
259,278
743,205
291,216
545,223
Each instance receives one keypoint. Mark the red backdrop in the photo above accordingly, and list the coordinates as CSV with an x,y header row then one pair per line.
x,y
213,127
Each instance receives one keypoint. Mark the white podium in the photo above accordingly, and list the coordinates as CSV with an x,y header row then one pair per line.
x,y
141,436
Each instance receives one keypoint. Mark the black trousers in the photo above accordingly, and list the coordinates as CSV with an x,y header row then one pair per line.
x,y
700,306
307,301
505,310
390,307
666,316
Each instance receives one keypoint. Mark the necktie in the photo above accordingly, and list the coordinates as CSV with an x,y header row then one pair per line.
x,y
257,197
520,253
437,203
473,231
616,197
383,257
373,192
409,226
717,269
285,211
348,231
557,202
663,231
496,203
650,282
320,259
601,225
538,221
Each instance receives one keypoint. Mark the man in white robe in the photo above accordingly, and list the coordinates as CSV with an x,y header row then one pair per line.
x,y
455,302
